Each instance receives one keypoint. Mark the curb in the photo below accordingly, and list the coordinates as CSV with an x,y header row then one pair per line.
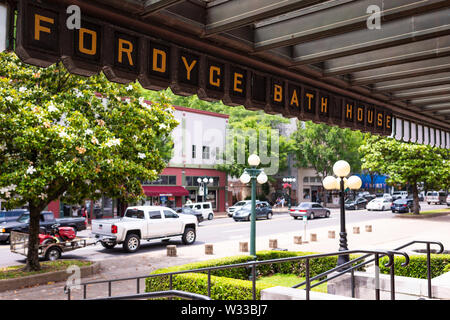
x,y
431,215
45,278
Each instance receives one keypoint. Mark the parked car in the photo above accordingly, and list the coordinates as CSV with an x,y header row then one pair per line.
x,y
379,204
262,210
47,220
387,196
238,205
399,195
402,206
358,203
187,210
436,197
11,215
448,200
310,209
204,207
145,223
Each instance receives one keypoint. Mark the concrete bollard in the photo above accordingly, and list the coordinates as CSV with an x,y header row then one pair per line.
x,y
243,246
368,228
356,230
209,249
313,237
171,251
297,239
273,243
331,234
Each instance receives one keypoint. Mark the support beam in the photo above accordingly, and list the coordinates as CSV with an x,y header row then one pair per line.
x,y
227,15
301,27
412,83
436,107
403,71
429,101
416,28
153,6
420,93
411,52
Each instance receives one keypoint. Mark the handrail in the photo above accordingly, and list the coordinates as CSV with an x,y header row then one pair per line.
x,y
386,265
251,264
158,294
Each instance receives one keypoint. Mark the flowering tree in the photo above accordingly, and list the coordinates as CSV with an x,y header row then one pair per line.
x,y
72,138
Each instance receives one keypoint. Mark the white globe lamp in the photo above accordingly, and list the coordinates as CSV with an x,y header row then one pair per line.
x,y
354,182
341,168
245,178
254,160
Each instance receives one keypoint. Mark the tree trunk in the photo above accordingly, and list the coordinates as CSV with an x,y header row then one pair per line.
x,y
416,206
33,242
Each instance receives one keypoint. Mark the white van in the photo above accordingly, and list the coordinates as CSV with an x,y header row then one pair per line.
x,y
436,197
204,207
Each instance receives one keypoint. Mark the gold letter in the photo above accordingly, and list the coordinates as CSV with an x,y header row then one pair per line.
x,y
278,93
388,122
37,25
126,50
370,116
237,82
360,114
324,105
310,96
93,49
349,114
188,67
294,99
380,120
161,53
215,83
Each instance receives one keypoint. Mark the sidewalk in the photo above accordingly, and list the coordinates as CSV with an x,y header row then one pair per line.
x,y
386,234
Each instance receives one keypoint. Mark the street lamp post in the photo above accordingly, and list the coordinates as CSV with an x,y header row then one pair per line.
x,y
252,175
342,169
203,182
289,180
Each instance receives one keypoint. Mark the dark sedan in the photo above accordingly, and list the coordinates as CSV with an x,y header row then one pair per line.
x,y
262,210
310,209
358,203
187,210
402,206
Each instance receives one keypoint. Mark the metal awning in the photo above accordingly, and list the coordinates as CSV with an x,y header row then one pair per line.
x,y
404,66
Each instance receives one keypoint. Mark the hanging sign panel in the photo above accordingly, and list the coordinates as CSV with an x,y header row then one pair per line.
x,y
125,56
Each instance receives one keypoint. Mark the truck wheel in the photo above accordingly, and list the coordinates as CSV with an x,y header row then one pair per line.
x,y
188,236
131,243
53,254
107,245
210,216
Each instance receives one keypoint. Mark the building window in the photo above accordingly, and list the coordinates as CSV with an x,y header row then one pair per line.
x,y
191,181
194,153
305,179
217,153
205,153
164,180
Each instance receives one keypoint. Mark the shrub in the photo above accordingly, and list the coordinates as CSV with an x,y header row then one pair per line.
x,y
417,267
233,284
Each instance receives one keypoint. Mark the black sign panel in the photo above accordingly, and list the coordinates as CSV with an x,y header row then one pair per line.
x,y
125,55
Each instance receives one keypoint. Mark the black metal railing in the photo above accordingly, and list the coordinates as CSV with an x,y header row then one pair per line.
x,y
352,267
158,294
251,264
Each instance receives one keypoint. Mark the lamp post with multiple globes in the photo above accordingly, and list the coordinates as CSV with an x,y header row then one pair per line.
x,y
289,181
203,182
342,169
253,174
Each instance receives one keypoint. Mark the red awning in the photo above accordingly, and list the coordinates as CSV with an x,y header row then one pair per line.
x,y
155,191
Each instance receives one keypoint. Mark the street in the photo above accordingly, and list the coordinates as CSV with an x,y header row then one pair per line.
x,y
221,230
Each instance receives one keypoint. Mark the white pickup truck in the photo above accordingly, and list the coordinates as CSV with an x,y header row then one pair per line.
x,y
144,223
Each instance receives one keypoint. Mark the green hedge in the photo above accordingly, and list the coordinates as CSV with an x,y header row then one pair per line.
x,y
233,284
417,267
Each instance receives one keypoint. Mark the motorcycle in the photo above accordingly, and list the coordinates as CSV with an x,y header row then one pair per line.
x,y
56,234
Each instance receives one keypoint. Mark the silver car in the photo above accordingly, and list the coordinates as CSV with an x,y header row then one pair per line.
x,y
238,205
310,209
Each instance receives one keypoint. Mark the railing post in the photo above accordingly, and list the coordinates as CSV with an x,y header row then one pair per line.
x,y
377,277
392,272
308,284
109,288
138,286
209,283
84,292
353,282
254,280
429,270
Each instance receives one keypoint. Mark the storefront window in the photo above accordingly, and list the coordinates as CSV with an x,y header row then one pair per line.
x,y
306,194
163,180
191,181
